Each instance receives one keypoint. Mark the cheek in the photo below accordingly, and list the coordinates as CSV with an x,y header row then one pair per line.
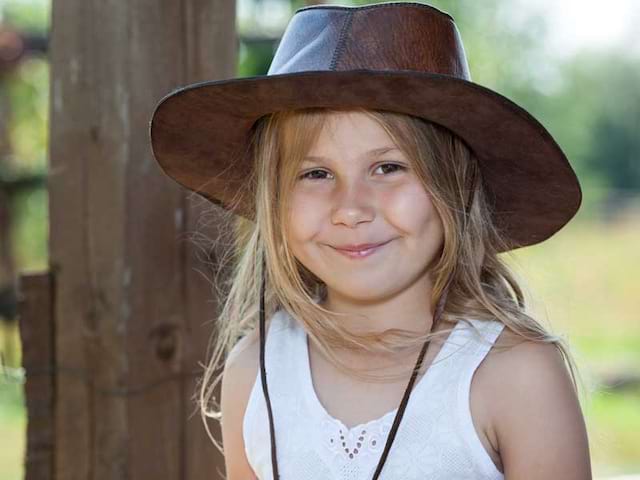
x,y
410,209
304,215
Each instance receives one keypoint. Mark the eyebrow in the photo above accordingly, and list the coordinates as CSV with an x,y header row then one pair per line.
x,y
373,152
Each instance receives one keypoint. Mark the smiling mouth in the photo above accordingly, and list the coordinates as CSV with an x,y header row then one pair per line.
x,y
360,253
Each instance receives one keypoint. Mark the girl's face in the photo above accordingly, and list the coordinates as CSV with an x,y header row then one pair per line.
x,y
356,187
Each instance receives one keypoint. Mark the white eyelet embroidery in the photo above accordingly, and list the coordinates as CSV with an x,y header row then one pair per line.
x,y
432,440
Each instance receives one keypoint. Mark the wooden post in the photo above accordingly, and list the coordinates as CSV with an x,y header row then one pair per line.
x,y
129,305
36,334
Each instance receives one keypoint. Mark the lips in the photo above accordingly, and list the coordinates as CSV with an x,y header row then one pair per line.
x,y
359,247
357,251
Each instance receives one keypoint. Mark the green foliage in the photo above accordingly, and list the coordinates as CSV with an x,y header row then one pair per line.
x,y
27,15
615,145
27,87
255,58
613,419
29,232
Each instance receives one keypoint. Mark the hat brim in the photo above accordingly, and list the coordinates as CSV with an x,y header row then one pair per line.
x,y
200,137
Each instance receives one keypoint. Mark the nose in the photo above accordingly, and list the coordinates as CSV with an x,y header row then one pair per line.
x,y
353,203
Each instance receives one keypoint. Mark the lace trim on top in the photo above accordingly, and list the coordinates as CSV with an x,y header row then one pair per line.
x,y
367,437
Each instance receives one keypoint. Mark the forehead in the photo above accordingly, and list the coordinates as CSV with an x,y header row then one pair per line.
x,y
374,152
350,134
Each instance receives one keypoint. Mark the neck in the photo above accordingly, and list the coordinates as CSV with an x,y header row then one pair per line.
x,y
406,309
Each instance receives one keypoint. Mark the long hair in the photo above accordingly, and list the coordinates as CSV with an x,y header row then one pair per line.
x,y
482,287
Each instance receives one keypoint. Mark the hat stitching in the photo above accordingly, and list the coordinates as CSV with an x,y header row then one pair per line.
x,y
341,41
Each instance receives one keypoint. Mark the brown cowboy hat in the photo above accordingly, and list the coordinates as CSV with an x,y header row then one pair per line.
x,y
399,56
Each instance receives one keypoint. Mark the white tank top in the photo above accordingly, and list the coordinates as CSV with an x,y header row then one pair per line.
x,y
436,438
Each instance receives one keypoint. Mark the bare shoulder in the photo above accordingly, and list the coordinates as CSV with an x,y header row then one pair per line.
x,y
240,371
534,414
245,353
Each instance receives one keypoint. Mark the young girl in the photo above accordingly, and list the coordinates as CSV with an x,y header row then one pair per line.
x,y
381,335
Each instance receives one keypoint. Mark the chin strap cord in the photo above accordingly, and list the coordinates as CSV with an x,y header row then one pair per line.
x,y
263,373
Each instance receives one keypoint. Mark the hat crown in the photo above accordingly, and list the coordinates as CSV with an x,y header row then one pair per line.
x,y
387,36
398,56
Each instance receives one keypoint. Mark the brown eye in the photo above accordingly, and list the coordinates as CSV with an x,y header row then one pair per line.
x,y
308,175
396,166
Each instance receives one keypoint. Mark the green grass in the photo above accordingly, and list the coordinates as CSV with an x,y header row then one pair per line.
x,y
613,423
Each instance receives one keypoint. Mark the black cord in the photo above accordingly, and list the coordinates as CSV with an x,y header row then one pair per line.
x,y
263,373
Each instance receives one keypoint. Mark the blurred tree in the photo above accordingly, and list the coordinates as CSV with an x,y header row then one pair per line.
x,y
614,143
24,162
255,54
594,111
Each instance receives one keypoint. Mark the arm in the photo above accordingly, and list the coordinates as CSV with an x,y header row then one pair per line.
x,y
537,417
240,370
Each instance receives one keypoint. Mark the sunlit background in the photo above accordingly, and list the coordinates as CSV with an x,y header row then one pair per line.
x,y
574,64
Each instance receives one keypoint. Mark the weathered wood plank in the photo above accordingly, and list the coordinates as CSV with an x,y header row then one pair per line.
x,y
129,306
212,52
74,108
36,335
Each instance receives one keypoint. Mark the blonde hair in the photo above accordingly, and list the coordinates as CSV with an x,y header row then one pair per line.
x,y
482,285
